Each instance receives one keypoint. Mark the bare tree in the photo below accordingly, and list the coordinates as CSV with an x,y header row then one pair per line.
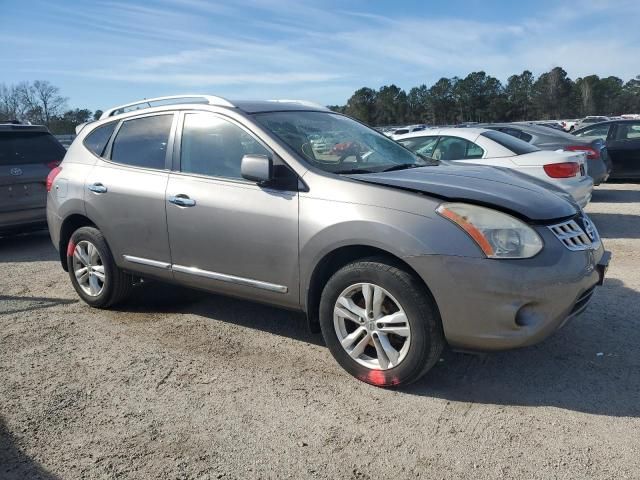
x,y
41,100
11,107
51,102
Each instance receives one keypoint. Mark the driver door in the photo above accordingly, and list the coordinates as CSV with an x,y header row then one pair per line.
x,y
227,234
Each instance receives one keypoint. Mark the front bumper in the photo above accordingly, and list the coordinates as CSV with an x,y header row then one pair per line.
x,y
490,304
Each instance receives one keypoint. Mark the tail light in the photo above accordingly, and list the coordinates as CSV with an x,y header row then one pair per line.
x,y
54,164
562,170
52,176
592,153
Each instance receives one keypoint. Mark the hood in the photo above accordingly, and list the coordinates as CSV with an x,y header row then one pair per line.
x,y
482,185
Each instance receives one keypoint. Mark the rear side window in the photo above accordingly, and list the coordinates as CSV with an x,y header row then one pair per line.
x,y
97,140
525,137
517,146
20,148
456,148
142,142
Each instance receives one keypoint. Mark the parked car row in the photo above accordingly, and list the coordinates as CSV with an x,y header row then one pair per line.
x,y
390,253
622,140
485,146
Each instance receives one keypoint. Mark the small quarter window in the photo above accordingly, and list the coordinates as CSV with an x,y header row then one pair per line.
x,y
97,140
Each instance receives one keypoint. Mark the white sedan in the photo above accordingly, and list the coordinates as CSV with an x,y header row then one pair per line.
x,y
489,147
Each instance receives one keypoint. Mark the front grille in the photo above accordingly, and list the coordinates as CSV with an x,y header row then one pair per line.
x,y
574,236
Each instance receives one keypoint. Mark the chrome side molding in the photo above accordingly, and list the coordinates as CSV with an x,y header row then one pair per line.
x,y
147,262
223,277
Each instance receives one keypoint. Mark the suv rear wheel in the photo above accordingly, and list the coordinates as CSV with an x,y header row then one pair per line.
x,y
380,323
93,273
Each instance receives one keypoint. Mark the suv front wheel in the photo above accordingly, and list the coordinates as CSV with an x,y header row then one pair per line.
x,y
94,274
380,323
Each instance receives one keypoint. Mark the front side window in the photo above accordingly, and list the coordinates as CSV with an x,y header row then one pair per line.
x,y
214,146
97,140
142,142
338,144
600,131
628,131
421,145
456,148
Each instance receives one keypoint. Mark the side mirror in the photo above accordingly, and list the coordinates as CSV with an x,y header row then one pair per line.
x,y
257,168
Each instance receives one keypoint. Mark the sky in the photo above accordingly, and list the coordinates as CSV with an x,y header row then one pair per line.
x,y
105,53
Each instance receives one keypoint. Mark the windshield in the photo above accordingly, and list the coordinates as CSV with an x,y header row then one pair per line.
x,y
517,146
338,144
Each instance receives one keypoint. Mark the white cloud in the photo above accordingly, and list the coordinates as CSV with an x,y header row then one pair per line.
x,y
299,48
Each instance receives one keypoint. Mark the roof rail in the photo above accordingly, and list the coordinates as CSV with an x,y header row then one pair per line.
x,y
148,102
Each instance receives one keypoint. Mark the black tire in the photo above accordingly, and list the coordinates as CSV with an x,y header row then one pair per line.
x,y
117,284
427,338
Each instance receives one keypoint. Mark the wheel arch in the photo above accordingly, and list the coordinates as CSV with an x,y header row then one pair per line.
x,y
70,225
333,261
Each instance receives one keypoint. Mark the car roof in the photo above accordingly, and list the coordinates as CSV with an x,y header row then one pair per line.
x,y
534,129
13,127
468,133
188,101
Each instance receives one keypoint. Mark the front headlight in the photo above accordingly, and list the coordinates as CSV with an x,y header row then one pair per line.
x,y
498,235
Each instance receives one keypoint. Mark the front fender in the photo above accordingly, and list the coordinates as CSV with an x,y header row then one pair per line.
x,y
327,225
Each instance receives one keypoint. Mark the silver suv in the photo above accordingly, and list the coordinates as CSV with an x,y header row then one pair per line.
x,y
390,254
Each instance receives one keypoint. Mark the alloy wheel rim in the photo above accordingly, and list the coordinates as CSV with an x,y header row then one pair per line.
x,y
88,268
372,326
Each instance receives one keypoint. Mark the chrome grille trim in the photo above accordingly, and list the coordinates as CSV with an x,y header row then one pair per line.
x,y
572,235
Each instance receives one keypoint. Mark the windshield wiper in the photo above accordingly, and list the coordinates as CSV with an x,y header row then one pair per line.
x,y
353,171
402,166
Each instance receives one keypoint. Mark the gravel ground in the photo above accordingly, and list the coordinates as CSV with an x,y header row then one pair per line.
x,y
180,384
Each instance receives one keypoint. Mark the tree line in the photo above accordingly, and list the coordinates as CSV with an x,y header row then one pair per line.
x,y
41,103
479,97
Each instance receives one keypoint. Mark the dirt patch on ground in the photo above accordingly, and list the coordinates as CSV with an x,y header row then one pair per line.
x,y
180,384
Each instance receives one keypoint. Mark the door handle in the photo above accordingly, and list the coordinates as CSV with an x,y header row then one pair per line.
x,y
182,200
97,188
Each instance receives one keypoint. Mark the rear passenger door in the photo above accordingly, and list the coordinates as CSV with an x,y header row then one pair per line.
x,y
623,146
125,193
228,234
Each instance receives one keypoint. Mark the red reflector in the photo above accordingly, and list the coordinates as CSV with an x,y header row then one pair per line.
x,y
562,170
52,176
592,153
